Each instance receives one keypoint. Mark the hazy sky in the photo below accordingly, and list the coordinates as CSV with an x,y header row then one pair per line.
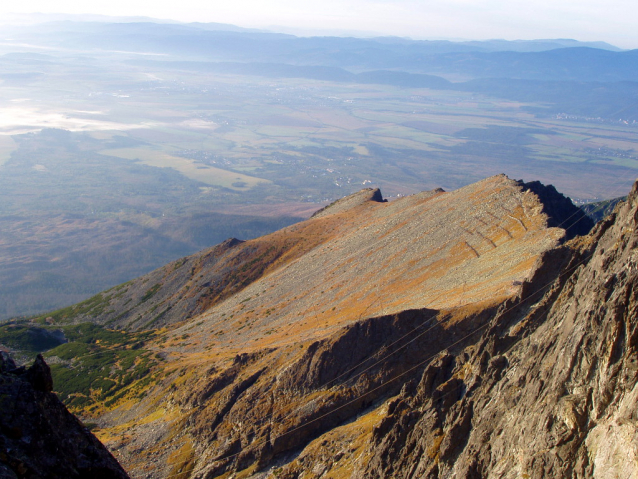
x,y
614,21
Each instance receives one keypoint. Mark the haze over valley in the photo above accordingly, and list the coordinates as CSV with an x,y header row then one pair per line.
x,y
126,145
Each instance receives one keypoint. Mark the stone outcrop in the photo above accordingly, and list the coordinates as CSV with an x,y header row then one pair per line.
x,y
349,202
549,388
39,438
560,210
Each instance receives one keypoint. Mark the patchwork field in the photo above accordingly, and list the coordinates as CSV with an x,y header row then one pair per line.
x,y
189,168
104,142
320,140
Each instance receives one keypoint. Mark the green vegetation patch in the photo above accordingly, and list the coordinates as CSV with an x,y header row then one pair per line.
x,y
151,292
93,306
96,374
90,364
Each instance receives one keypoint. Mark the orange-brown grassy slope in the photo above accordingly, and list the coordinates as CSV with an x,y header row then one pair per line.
x,y
434,249
282,335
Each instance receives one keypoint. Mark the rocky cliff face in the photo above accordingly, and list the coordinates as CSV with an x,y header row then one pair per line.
x,y
39,438
547,389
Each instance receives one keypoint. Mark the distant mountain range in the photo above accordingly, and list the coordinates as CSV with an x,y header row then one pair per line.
x,y
479,45
591,79
534,59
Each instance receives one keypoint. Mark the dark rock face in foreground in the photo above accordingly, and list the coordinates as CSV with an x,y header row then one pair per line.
x,y
39,438
561,211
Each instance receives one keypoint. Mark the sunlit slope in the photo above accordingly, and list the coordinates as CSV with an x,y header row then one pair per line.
x,y
435,249
277,332
357,258
189,286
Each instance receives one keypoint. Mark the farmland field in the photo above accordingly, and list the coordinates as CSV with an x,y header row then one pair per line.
x,y
319,140
143,163
189,168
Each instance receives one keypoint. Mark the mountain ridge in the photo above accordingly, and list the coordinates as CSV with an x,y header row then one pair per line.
x,y
402,379
326,300
212,275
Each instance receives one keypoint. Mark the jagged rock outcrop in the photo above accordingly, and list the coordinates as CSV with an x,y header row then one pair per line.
x,y
560,210
550,388
349,202
39,438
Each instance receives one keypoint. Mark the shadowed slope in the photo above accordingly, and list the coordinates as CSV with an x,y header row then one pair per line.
x,y
39,438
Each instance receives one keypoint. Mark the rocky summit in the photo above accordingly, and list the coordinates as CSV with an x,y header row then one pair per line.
x,y
480,332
